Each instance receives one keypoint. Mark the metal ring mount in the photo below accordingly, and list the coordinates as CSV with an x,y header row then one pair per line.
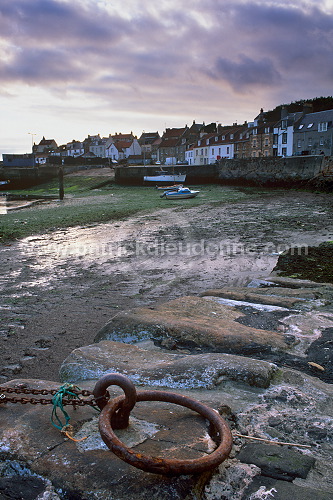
x,y
160,465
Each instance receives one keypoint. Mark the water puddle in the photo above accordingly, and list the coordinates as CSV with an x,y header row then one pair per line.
x,y
7,206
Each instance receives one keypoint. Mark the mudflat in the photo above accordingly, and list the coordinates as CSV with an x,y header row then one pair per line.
x,y
59,289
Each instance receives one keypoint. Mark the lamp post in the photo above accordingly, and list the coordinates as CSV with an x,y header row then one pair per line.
x,y
32,147
144,149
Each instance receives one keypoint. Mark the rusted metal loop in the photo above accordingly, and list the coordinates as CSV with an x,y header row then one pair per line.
x,y
160,465
121,415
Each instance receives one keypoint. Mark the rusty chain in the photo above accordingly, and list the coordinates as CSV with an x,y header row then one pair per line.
x,y
44,392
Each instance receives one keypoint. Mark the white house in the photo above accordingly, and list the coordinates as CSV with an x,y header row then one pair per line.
x,y
75,148
122,149
284,133
213,147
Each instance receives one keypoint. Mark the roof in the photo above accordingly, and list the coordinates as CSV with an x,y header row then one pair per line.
x,y
123,144
315,119
173,132
169,143
47,142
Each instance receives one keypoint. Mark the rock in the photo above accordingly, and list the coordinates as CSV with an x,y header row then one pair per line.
x,y
290,409
277,462
92,471
194,323
231,481
285,298
162,369
314,263
266,488
297,283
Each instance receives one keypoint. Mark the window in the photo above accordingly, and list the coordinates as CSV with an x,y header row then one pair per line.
x,y
266,142
284,151
321,141
299,143
231,136
227,150
310,141
223,137
266,152
216,138
266,130
213,151
301,126
284,124
254,144
309,125
322,127
255,131
284,138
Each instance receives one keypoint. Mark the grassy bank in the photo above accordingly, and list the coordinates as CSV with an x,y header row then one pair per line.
x,y
90,200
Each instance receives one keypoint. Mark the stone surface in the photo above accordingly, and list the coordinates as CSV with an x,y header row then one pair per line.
x,y
277,462
192,322
266,488
162,369
93,471
189,346
295,407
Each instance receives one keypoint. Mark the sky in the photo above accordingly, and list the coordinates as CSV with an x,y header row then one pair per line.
x,y
69,68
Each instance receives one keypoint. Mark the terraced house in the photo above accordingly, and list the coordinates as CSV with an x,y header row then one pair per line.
x,y
313,134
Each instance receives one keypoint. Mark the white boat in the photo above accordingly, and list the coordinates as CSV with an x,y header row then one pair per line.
x,y
165,177
181,194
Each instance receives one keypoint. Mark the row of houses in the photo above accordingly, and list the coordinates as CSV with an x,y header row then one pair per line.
x,y
293,134
114,148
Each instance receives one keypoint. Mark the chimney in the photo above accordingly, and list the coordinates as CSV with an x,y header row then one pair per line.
x,y
307,108
284,112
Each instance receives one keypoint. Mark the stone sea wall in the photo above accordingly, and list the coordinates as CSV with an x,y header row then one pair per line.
x,y
297,171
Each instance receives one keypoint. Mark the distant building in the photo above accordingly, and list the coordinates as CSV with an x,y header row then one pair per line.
x,y
18,160
313,134
43,150
149,143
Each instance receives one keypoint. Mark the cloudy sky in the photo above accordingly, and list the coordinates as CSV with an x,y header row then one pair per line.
x,y
69,68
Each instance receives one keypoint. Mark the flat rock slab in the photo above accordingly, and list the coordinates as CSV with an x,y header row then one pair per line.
x,y
195,323
163,369
33,450
277,462
293,406
281,297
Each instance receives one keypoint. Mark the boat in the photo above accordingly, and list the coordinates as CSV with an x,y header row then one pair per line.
x,y
174,187
181,194
162,176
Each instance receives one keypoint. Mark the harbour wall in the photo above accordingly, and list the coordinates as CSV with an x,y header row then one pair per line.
x,y
23,177
296,171
275,171
134,175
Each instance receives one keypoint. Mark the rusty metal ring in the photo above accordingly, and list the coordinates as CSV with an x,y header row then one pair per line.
x,y
160,465
121,416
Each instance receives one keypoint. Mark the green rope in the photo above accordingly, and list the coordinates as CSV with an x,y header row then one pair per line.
x,y
65,390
